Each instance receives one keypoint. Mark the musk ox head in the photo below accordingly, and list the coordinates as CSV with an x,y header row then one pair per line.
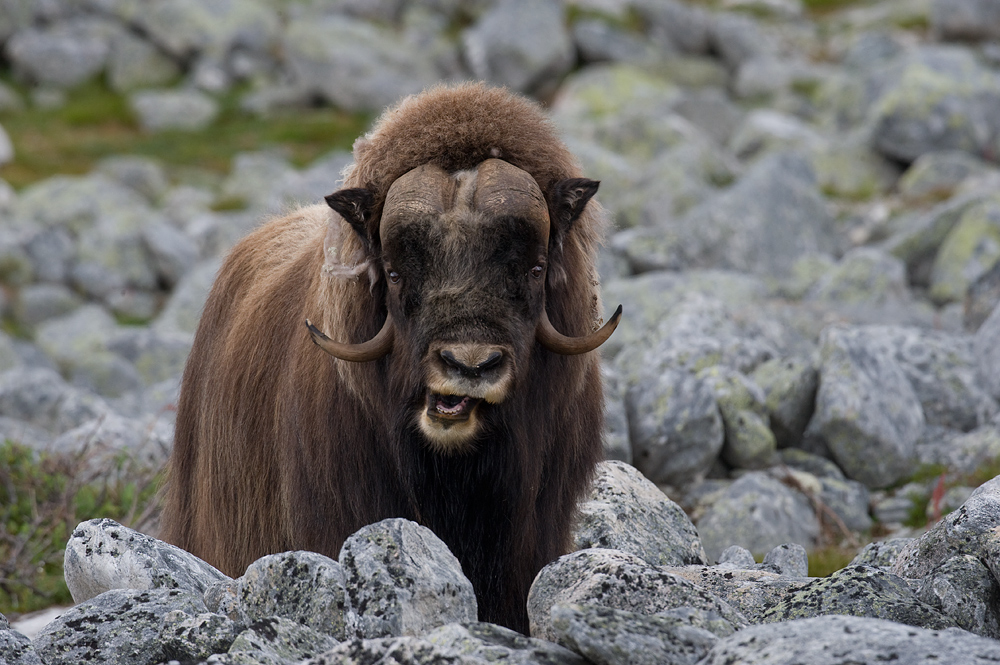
x,y
464,256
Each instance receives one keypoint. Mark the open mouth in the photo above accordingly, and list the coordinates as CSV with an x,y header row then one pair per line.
x,y
450,407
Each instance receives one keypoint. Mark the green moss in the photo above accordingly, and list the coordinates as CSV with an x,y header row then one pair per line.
x,y
44,496
95,122
828,560
229,203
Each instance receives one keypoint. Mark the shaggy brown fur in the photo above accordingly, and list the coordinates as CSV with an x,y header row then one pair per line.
x,y
279,446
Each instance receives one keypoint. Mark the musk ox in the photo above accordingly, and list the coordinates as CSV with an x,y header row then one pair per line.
x,y
420,347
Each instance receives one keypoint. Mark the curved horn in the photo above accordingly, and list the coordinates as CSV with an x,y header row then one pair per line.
x,y
555,341
375,348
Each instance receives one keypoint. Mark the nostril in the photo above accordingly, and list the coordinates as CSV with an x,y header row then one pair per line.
x,y
449,359
492,361
472,371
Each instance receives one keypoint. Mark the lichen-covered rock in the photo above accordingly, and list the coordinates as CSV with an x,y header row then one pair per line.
x,y
772,216
606,636
675,426
863,275
880,554
39,396
942,99
519,44
750,588
789,386
963,589
610,578
279,640
403,580
159,110
986,349
355,65
866,409
102,554
789,559
835,640
859,591
937,174
63,55
749,442
192,638
759,513
391,650
305,587
626,512
15,647
491,643
123,625
972,529
969,250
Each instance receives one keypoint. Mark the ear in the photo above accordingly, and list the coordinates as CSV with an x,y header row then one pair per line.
x,y
567,199
356,206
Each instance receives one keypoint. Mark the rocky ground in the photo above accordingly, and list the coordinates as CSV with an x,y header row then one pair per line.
x,y
806,243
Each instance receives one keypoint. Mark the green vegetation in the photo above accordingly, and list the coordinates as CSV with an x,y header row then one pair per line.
x,y
43,496
95,122
827,560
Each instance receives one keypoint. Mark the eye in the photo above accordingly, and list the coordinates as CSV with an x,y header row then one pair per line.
x,y
393,276
537,271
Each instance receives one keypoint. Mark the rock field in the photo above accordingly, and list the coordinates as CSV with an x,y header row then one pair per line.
x,y
805,238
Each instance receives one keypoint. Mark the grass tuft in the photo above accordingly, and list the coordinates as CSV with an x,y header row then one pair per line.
x,y
43,496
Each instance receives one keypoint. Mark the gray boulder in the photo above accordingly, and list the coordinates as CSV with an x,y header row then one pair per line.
x,y
102,555
159,110
943,370
303,587
749,442
626,512
186,28
834,640
963,589
403,580
487,642
772,216
62,55
135,63
938,174
606,636
789,386
750,588
40,397
353,64
520,44
675,426
859,591
388,650
758,512
986,349
972,530
943,99
193,638
614,579
880,554
40,302
279,640
15,647
969,250
124,624
965,20
182,310
864,275
981,299
867,412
